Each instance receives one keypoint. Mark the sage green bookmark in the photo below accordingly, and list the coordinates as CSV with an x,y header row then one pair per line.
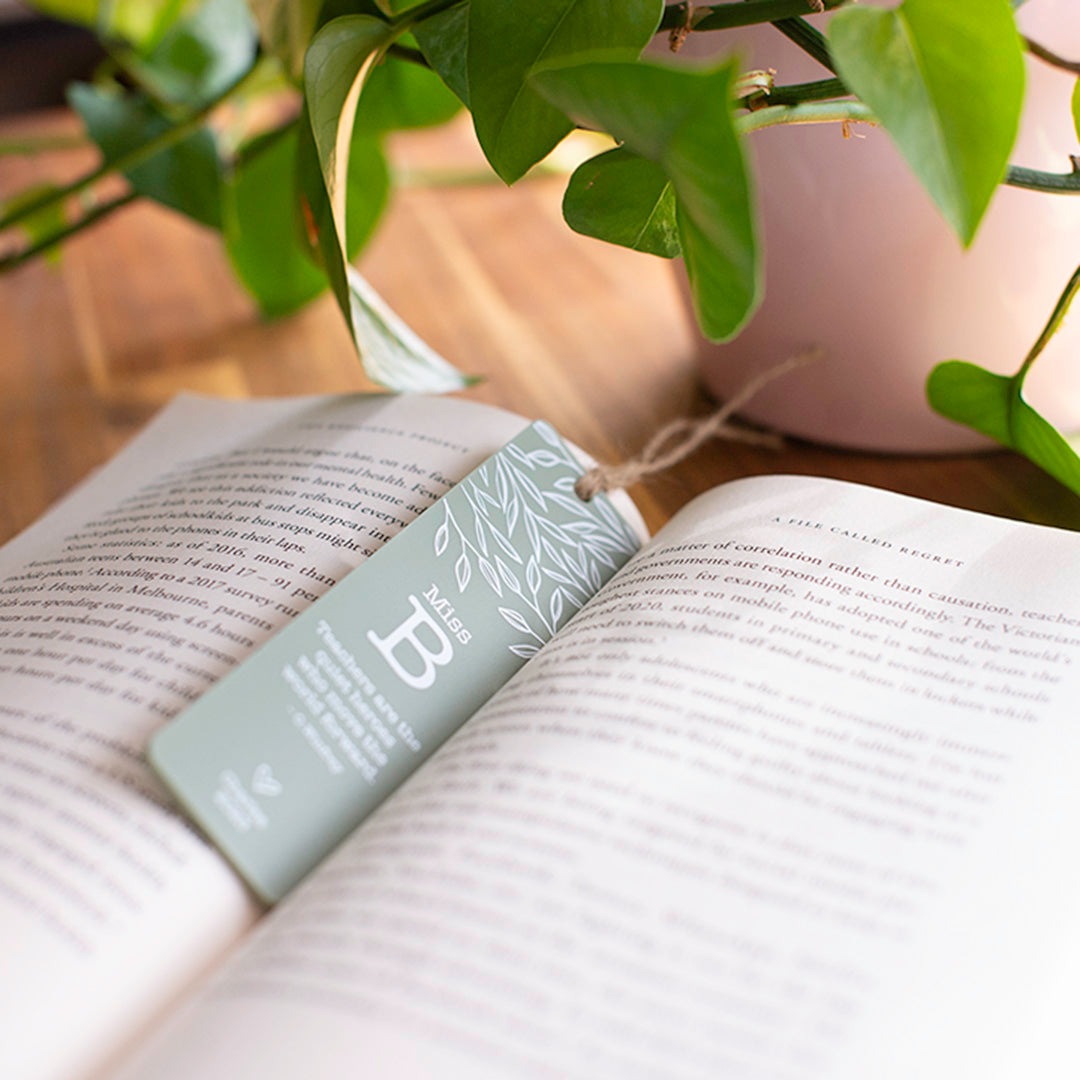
x,y
288,753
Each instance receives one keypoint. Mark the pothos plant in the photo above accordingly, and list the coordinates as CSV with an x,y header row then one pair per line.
x,y
296,198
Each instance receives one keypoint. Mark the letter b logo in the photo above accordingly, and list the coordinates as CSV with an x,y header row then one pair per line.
x,y
420,674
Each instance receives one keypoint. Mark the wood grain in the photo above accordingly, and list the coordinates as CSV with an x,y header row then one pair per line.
x,y
588,336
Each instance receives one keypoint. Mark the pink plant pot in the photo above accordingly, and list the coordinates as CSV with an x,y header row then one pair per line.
x,y
860,265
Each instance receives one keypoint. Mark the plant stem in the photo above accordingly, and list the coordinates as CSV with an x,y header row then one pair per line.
x,y
38,144
808,38
404,52
1051,58
827,112
797,93
1036,180
122,162
1056,318
741,13
92,217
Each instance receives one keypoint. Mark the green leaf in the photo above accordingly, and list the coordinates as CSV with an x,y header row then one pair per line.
x,y
400,95
444,40
285,28
377,9
267,251
682,121
48,221
994,405
313,222
368,188
367,191
393,354
259,238
1076,107
140,23
516,126
624,199
947,82
338,61
83,12
200,56
186,176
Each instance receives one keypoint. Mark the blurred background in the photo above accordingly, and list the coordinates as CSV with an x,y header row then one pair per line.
x,y
146,303
38,57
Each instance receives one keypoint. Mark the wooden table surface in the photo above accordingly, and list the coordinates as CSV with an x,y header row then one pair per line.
x,y
590,337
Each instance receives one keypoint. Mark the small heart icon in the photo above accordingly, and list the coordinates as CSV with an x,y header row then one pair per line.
x,y
264,782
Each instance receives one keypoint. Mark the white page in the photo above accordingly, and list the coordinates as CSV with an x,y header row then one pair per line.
x,y
787,800
217,525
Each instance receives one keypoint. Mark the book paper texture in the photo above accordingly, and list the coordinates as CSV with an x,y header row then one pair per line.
x,y
285,756
795,796
218,525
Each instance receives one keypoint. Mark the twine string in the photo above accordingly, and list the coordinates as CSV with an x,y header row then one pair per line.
x,y
680,438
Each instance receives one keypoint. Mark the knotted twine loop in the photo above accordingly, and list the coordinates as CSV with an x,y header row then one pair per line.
x,y
681,438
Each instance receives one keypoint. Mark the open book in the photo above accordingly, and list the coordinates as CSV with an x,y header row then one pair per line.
x,y
796,795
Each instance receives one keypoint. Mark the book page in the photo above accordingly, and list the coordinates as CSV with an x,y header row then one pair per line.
x,y
794,797
219,524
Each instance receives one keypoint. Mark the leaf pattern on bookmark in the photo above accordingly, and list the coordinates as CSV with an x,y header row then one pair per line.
x,y
540,549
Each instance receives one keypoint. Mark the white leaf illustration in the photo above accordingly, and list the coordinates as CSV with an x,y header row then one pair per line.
x,y
481,537
471,491
515,619
509,579
517,452
544,458
602,556
532,531
526,652
556,605
501,488
607,513
462,571
553,554
532,491
548,434
512,515
576,561
555,531
442,536
556,575
594,576
490,576
532,576
505,544
607,542
565,483
571,504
